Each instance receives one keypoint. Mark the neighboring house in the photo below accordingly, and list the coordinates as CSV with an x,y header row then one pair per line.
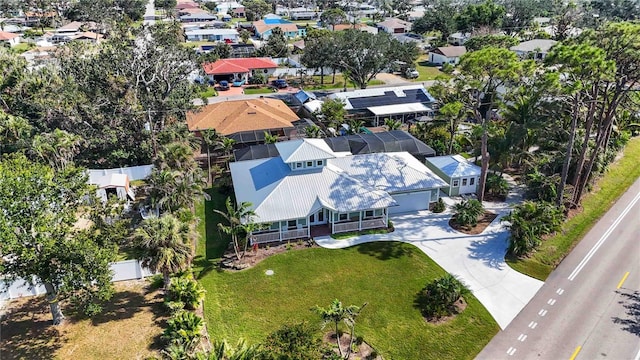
x,y
238,12
242,69
225,35
199,17
245,120
263,28
461,175
356,144
309,185
87,37
112,184
447,55
458,39
359,26
533,49
192,11
10,39
243,50
401,103
302,14
40,55
77,26
187,5
227,7
394,26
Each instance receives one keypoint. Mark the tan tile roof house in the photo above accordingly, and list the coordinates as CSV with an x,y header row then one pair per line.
x,y
231,117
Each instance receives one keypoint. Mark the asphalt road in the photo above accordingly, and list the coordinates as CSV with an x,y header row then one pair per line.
x,y
589,307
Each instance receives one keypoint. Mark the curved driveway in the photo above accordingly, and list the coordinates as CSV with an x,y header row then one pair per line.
x,y
478,260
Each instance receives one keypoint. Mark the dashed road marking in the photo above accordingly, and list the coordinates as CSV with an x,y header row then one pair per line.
x,y
551,301
511,351
522,337
559,291
533,324
542,312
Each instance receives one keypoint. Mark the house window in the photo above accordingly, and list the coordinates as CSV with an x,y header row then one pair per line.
x,y
309,163
455,183
368,213
464,182
298,165
292,224
319,162
275,226
343,217
378,212
472,181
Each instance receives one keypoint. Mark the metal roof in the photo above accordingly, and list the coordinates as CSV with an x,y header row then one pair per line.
x,y
455,166
279,194
304,150
399,109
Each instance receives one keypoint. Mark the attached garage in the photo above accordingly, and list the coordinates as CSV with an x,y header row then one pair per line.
x,y
413,201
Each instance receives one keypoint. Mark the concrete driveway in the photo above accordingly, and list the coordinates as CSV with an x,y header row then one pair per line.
x,y
478,260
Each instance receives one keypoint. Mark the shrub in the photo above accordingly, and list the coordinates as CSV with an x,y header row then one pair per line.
x,y
496,185
439,206
542,187
186,290
440,295
530,221
184,328
293,342
467,212
174,306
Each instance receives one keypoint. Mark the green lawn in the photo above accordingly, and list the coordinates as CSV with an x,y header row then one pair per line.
x,y
250,305
610,187
427,72
258,91
210,92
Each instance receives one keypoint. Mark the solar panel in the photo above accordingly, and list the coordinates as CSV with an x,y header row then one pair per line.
x,y
390,98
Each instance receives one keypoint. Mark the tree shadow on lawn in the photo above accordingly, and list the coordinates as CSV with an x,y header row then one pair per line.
x,y
490,249
631,303
27,332
384,250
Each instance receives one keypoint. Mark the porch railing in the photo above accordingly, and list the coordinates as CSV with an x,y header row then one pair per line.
x,y
345,226
373,223
355,225
266,237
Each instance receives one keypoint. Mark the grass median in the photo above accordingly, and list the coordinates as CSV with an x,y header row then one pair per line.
x,y
609,187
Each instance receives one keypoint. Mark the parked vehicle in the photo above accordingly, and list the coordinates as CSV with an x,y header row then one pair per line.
x,y
411,73
280,83
238,83
223,85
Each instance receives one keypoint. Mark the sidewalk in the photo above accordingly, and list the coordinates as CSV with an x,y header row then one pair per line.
x,y
478,260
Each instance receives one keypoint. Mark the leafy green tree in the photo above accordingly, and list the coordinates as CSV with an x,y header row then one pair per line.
x,y
245,35
452,115
15,132
210,137
318,50
528,222
255,9
210,5
487,14
542,187
40,207
521,13
485,71
332,17
332,112
240,222
440,16
497,41
616,10
467,212
165,245
440,295
276,46
294,342
402,8
58,148
167,6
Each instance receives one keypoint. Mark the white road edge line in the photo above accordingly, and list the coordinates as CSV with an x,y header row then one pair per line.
x,y
637,356
604,237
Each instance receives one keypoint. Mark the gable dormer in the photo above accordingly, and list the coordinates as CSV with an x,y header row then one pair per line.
x,y
305,153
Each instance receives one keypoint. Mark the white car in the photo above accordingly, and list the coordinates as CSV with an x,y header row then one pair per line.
x,y
411,73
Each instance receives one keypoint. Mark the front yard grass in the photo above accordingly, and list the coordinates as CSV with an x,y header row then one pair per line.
x,y
608,189
129,328
427,71
264,90
388,275
338,84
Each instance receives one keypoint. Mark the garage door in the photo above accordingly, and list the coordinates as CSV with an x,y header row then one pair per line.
x,y
410,202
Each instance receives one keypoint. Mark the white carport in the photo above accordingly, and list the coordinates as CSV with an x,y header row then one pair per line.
x,y
399,109
116,184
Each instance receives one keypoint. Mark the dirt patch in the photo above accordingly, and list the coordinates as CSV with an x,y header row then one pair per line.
x,y
494,198
255,255
459,307
129,328
482,224
360,351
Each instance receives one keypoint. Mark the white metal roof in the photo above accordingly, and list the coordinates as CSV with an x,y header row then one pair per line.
x,y
542,45
455,166
110,180
313,105
304,150
392,172
212,32
279,194
399,109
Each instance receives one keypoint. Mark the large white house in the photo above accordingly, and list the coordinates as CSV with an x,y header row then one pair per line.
x,y
226,35
309,185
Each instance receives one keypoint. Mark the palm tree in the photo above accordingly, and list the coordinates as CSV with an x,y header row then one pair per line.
x,y
313,131
210,138
239,221
165,243
226,145
58,147
441,294
467,212
270,139
14,131
176,156
337,313
392,124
